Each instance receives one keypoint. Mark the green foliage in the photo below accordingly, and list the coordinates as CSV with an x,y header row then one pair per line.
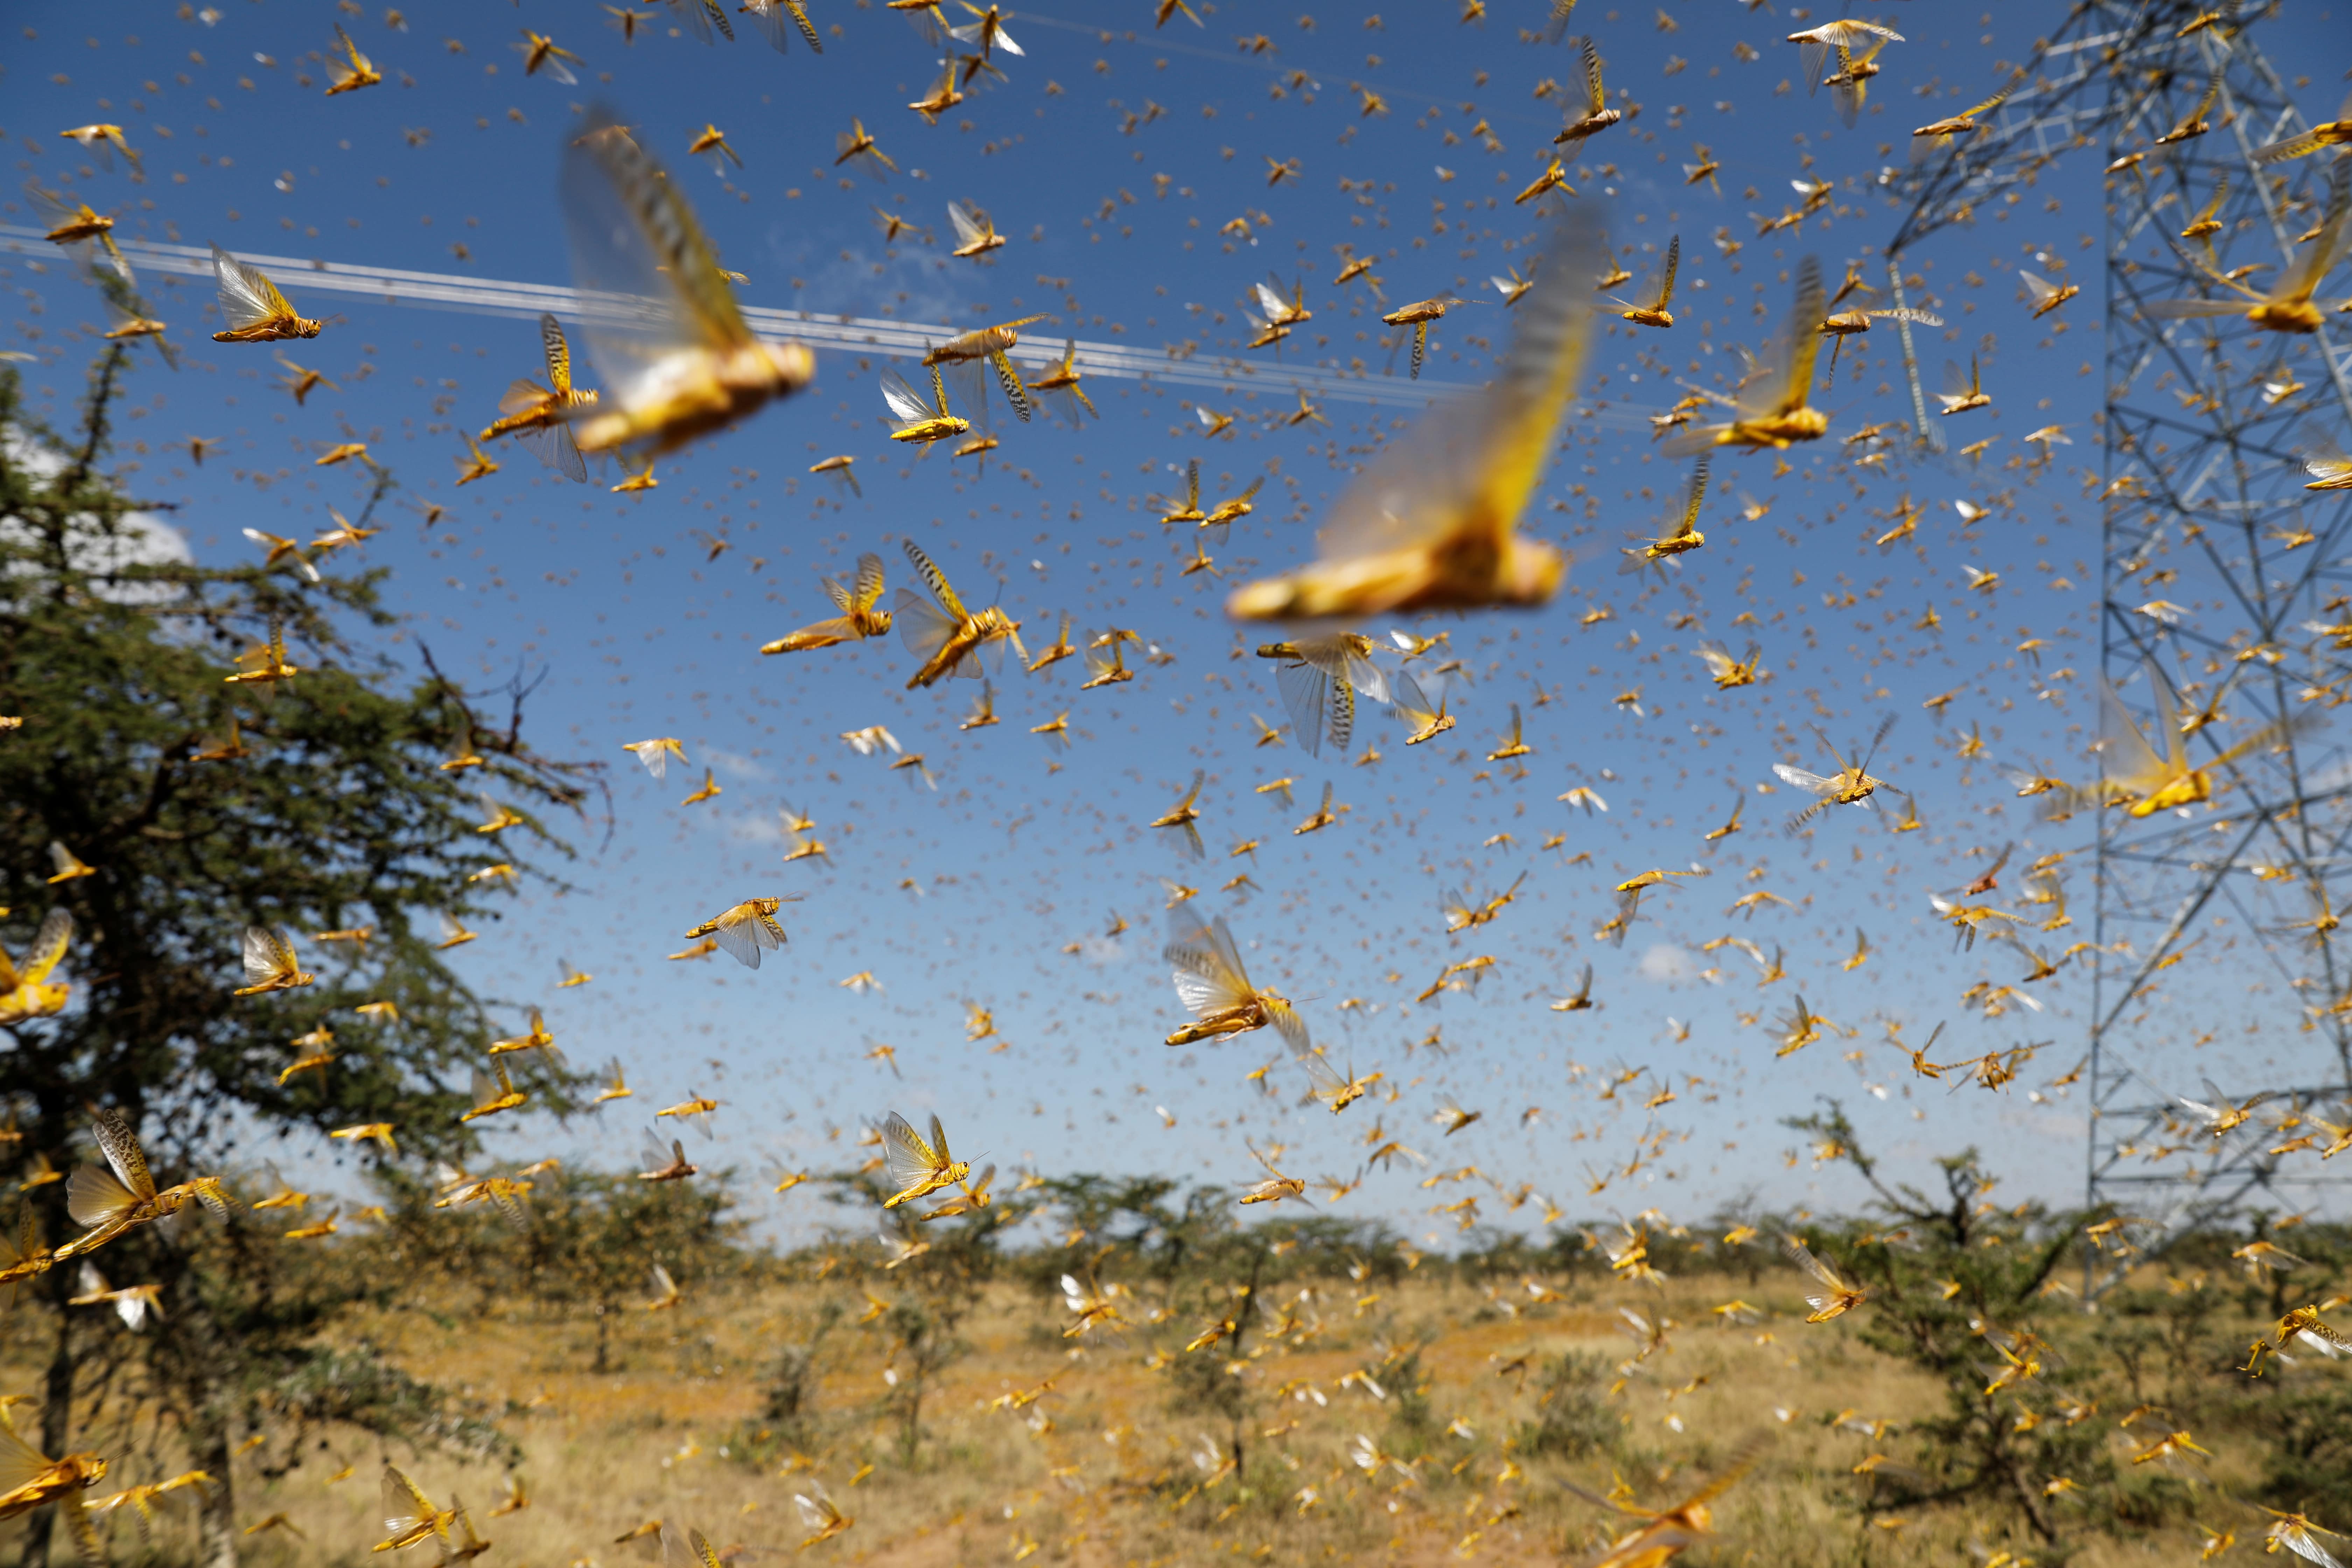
x,y
2309,1460
1572,1419
1149,1232
328,1386
793,1386
1955,1276
115,652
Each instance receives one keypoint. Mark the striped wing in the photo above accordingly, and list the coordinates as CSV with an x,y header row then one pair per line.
x,y
122,1151
937,580
48,946
868,590
559,355
636,241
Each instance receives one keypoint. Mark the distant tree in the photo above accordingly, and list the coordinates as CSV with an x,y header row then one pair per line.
x,y
943,1266
348,798
592,1240
1955,1287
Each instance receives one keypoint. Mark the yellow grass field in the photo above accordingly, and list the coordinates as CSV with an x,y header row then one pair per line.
x,y
1098,1469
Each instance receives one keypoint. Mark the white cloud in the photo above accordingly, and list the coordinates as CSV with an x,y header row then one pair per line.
x,y
142,539
1667,963
737,766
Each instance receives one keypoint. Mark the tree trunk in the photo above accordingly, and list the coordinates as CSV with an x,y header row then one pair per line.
x,y
56,1424
216,1534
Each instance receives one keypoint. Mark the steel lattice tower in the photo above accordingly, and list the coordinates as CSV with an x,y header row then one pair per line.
x,y
2204,508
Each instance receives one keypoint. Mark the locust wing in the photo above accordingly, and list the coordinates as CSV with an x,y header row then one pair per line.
x,y
246,298
636,248
1470,464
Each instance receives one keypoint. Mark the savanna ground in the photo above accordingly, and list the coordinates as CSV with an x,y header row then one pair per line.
x,y
1482,1396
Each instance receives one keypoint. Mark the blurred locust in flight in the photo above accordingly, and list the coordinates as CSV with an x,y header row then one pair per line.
x,y
949,640
1215,988
540,415
858,619
686,365
1432,523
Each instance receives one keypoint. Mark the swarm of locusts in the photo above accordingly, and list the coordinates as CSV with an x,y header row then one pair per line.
x,y
1400,625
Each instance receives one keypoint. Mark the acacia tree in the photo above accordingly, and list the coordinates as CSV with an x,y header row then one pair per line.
x,y
340,805
1949,1274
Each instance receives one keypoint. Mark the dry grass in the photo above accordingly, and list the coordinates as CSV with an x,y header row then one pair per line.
x,y
1092,1473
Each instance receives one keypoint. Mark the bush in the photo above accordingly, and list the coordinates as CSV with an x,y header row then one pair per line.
x,y
1572,1414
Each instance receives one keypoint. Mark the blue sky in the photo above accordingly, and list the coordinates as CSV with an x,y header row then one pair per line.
x,y
449,167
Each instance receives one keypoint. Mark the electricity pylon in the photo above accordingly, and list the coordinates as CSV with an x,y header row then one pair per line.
x,y
2222,575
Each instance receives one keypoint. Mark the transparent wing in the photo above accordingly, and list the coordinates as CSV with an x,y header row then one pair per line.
x,y
1202,994
1475,461
554,444
261,953
1802,1257
922,628
743,934
1803,779
1793,352
1305,694
635,244
911,1161
405,1508
2186,310
904,405
246,298
94,1198
2126,757
20,1463
780,20
522,392
1208,972
685,1548
1406,697
700,15
2320,259
970,379
970,223
1292,1028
